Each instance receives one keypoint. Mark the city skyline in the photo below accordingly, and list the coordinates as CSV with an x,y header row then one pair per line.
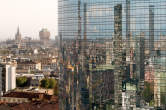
x,y
83,55
31,16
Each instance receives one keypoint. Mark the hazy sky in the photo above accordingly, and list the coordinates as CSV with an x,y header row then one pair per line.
x,y
30,15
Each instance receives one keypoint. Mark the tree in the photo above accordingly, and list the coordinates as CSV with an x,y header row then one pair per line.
x,y
48,83
21,81
148,92
45,83
52,83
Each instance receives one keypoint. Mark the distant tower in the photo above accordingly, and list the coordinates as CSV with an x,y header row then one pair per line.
x,y
128,34
44,36
118,71
18,36
140,56
151,29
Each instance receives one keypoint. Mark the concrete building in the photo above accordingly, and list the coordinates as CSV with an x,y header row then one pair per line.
x,y
7,77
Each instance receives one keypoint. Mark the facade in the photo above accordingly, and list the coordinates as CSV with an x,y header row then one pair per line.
x,y
118,72
135,30
129,96
13,100
151,29
140,57
7,78
159,81
28,65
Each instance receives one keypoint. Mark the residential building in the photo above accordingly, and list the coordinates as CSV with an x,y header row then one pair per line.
x,y
7,77
28,66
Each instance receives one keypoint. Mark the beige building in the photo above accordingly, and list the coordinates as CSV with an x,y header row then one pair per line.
x,y
25,66
44,35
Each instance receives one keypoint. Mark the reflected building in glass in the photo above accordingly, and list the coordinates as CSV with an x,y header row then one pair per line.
x,y
111,53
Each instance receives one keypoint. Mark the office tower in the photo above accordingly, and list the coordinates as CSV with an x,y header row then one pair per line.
x,y
118,70
140,56
102,37
151,30
7,77
129,48
128,31
128,22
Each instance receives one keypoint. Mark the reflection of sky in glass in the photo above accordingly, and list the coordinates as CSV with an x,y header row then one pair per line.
x,y
100,17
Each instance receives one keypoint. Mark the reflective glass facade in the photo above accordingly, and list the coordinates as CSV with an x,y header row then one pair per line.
x,y
108,46
100,17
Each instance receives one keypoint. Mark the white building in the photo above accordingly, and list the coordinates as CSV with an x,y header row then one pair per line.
x,y
129,95
7,77
10,77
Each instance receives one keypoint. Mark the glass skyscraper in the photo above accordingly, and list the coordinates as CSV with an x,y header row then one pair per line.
x,y
112,51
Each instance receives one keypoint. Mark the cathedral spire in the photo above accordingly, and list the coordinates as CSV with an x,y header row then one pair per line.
x,y
18,30
18,35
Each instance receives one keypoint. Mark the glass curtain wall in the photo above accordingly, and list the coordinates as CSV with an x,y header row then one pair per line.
x,y
111,52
